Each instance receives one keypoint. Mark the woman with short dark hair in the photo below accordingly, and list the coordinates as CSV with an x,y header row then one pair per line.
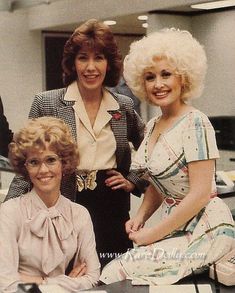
x,y
103,125
96,35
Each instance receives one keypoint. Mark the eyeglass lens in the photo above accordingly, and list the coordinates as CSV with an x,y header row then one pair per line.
x,y
48,160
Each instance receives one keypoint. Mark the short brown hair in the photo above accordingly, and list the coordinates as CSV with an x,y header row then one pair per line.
x,y
38,133
95,35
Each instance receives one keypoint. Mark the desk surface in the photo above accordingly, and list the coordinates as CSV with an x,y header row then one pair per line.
x,y
227,194
126,287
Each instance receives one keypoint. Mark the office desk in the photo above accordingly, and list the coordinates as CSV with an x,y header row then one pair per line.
x,y
227,194
126,287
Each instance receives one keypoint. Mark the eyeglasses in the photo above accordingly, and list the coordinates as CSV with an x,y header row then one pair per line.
x,y
49,161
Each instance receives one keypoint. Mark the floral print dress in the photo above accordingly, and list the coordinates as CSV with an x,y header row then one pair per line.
x,y
202,240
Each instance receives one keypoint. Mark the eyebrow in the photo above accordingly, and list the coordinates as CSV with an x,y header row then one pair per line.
x,y
86,53
165,69
148,72
82,53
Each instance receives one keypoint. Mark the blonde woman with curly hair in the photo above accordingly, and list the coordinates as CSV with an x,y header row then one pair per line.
x,y
104,125
178,155
41,232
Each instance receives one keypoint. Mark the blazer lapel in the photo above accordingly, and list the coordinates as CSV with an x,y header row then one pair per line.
x,y
119,128
66,113
83,117
108,104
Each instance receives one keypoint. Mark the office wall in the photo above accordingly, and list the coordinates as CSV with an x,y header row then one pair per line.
x,y
215,32
21,65
21,59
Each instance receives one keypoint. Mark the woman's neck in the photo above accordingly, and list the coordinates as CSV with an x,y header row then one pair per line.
x,y
90,96
175,111
49,199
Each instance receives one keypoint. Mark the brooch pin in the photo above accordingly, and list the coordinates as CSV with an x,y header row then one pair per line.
x,y
87,181
117,115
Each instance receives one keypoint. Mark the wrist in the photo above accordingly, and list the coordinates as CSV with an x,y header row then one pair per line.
x,y
131,186
140,217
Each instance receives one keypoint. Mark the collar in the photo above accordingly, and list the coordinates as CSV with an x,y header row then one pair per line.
x,y
108,101
52,226
72,92
39,203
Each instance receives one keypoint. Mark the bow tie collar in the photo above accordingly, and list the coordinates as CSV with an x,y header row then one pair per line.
x,y
53,228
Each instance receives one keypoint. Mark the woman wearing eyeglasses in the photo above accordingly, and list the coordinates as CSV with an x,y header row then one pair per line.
x,y
103,125
42,231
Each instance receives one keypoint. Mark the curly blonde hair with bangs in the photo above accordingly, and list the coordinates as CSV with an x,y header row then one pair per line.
x,y
40,133
179,48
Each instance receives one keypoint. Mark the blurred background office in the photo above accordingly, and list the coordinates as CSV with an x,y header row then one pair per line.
x,y
33,34
5,132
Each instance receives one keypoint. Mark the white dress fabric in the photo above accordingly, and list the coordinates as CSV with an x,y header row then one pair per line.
x,y
201,241
40,241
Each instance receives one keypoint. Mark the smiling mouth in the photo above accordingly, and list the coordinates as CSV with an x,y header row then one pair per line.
x,y
90,77
161,94
45,179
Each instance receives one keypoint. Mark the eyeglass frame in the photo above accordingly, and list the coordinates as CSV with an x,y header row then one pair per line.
x,y
42,161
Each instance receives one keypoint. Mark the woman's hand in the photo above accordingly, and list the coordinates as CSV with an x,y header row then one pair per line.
x,y
78,271
134,225
31,279
144,236
118,181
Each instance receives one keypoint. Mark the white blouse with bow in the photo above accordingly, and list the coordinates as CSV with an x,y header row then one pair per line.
x,y
41,241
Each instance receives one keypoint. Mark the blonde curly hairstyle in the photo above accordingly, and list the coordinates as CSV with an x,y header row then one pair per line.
x,y
179,48
39,133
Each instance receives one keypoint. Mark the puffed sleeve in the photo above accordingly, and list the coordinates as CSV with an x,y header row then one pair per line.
x,y
86,252
9,257
199,142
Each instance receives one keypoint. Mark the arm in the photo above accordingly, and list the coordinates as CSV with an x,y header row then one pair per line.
x,y
86,253
151,202
36,109
47,104
18,186
130,182
78,271
139,184
135,130
118,181
200,178
9,256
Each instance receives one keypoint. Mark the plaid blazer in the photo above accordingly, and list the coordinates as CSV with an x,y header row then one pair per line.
x,y
129,128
